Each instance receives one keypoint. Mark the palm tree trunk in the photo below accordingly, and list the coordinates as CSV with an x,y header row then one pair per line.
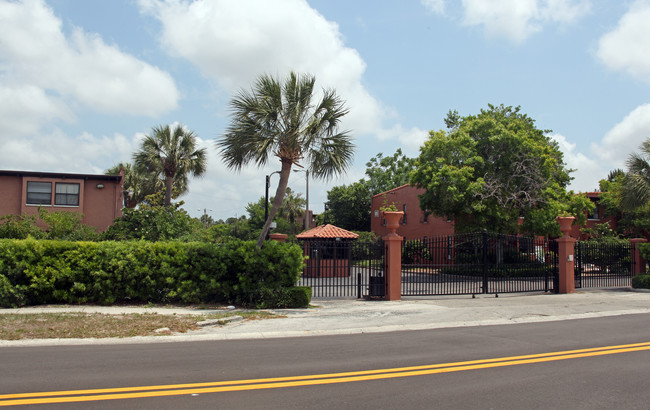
x,y
169,183
277,201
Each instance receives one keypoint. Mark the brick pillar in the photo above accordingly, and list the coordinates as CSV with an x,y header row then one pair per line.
x,y
393,242
566,257
638,263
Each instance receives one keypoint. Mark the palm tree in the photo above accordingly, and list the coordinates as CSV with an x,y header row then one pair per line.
x,y
292,207
137,185
172,155
636,185
280,119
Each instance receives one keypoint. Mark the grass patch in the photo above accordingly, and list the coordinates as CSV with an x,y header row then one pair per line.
x,y
76,325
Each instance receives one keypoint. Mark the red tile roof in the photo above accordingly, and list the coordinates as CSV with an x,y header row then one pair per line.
x,y
327,232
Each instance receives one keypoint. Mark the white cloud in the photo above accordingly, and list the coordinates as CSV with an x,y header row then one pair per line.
x,y
517,20
434,6
588,170
233,42
626,47
35,53
625,137
59,152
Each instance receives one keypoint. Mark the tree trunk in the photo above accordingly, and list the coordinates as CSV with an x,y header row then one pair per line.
x,y
169,183
277,201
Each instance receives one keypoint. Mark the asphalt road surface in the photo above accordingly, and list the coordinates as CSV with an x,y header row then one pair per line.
x,y
601,363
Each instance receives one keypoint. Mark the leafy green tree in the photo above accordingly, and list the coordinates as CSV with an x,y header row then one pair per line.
x,y
385,173
292,208
171,154
491,169
280,118
348,207
631,223
137,185
636,185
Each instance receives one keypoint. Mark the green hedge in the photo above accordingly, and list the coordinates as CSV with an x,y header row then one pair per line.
x,y
36,272
641,282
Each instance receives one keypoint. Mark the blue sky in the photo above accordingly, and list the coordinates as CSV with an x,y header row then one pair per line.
x,y
81,82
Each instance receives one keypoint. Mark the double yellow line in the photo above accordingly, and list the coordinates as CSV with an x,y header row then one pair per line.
x,y
71,396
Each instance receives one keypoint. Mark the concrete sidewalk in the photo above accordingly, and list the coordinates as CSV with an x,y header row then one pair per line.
x,y
335,317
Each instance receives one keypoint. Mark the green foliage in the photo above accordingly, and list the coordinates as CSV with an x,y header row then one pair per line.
x,y
36,272
152,224
385,173
490,170
282,118
19,227
348,207
67,226
60,225
415,251
631,223
638,281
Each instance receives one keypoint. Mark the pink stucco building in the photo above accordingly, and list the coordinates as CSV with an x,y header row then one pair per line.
x,y
98,198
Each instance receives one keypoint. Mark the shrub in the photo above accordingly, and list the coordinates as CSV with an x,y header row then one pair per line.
x,y
37,272
156,223
19,227
641,282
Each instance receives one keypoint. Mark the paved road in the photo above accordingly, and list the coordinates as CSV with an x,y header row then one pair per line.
x,y
615,378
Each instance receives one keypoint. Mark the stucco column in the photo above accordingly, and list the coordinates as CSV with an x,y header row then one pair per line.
x,y
638,263
566,263
393,243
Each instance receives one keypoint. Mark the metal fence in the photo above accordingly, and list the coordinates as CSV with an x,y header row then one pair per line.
x,y
601,264
343,268
478,263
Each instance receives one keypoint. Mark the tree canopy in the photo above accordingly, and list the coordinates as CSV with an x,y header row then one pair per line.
x,y
348,207
491,169
170,154
385,173
280,118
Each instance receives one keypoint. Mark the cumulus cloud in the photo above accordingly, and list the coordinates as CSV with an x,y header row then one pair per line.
x,y
38,58
233,42
625,48
624,137
517,20
81,153
587,170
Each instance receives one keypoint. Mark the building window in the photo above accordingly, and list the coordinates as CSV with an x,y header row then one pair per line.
x,y
67,194
39,193
404,217
595,213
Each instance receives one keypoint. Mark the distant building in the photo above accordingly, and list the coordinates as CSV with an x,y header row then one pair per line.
x,y
98,197
416,224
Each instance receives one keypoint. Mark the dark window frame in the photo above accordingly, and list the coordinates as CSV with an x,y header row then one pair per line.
x,y
32,196
66,198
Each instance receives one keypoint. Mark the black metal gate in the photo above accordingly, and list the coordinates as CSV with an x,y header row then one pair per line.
x,y
478,263
343,269
602,264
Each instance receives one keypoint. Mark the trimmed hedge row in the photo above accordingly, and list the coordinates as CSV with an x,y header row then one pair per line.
x,y
36,272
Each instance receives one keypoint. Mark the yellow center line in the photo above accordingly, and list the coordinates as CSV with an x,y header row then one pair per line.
x,y
70,396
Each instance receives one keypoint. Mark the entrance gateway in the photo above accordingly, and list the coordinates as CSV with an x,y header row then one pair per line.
x,y
464,264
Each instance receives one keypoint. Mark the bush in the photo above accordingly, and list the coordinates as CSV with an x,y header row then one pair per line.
x,y
37,272
641,282
152,224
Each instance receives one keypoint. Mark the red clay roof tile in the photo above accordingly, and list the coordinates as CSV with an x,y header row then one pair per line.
x,y
327,232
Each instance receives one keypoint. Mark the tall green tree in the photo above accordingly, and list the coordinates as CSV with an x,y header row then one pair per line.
x,y
385,173
491,169
636,185
171,154
348,207
137,185
280,118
